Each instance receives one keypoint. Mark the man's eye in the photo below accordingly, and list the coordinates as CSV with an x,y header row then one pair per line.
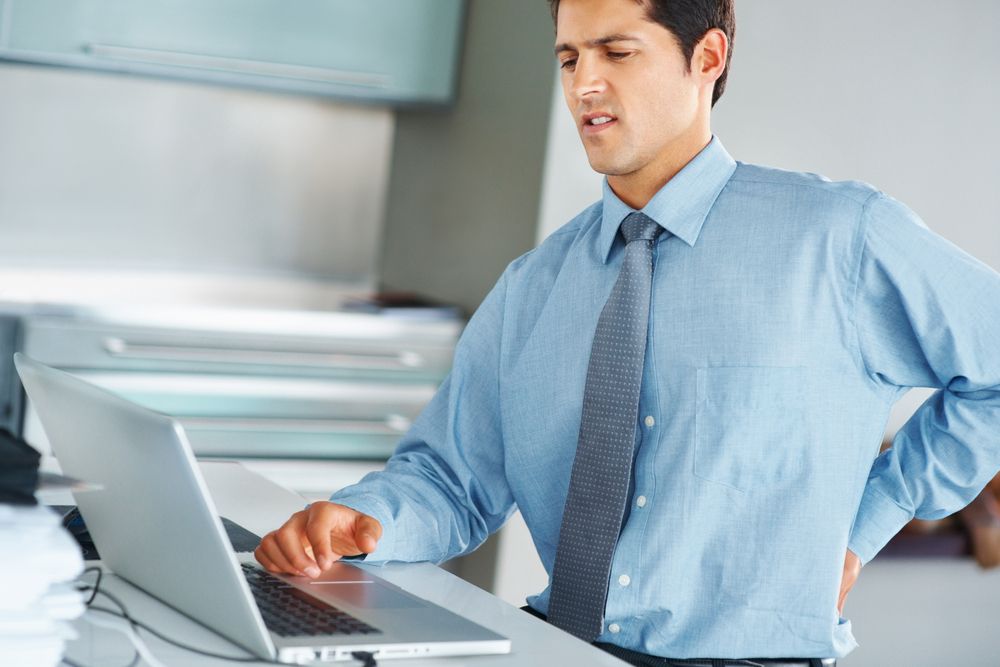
x,y
617,55
568,63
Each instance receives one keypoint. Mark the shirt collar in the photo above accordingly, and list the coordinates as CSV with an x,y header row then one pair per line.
x,y
681,205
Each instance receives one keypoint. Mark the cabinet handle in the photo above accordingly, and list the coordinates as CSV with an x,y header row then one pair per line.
x,y
238,65
403,360
393,425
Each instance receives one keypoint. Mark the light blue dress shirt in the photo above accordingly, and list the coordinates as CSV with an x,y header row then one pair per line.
x,y
788,314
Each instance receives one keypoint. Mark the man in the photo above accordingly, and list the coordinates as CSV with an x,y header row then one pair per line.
x,y
683,390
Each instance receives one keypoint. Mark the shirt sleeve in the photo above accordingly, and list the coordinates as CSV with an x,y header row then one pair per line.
x,y
927,315
444,490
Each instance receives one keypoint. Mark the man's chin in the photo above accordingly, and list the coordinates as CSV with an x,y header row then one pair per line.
x,y
604,162
609,168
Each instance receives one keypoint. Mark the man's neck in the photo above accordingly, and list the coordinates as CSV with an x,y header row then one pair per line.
x,y
638,187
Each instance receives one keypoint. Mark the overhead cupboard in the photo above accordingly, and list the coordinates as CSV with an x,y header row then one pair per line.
x,y
397,52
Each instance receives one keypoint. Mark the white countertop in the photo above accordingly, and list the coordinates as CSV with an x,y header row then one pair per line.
x,y
259,505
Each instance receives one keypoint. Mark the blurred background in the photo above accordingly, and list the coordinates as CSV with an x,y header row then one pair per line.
x,y
272,219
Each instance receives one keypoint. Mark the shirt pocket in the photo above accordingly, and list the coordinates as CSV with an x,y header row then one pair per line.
x,y
752,426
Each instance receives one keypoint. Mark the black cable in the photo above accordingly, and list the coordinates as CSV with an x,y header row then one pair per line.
x,y
90,601
367,658
135,660
139,625
96,586
136,624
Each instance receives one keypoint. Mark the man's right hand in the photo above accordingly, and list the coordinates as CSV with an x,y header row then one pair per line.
x,y
313,539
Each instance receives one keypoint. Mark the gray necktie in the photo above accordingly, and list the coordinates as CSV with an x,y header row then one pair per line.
x,y
599,482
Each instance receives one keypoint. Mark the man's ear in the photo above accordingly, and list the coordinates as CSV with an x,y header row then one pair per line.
x,y
709,57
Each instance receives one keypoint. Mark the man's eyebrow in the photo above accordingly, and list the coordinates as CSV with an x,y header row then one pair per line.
x,y
600,41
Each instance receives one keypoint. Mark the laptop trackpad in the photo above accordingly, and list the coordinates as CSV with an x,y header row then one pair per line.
x,y
356,587
364,594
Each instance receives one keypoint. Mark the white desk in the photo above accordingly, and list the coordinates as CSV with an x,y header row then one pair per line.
x,y
260,506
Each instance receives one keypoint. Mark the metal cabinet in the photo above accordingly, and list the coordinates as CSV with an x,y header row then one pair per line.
x,y
376,50
295,385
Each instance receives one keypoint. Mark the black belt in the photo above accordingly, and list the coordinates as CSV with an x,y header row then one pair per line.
x,y
646,660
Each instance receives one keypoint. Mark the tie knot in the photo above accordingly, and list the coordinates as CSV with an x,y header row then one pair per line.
x,y
640,226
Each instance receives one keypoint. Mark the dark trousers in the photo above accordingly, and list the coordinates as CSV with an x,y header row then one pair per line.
x,y
646,660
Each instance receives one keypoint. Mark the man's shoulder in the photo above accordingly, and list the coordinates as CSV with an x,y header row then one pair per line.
x,y
554,249
816,187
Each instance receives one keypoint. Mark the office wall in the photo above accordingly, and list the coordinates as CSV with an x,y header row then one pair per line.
x,y
102,171
465,183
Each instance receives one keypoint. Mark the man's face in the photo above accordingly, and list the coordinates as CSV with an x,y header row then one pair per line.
x,y
616,63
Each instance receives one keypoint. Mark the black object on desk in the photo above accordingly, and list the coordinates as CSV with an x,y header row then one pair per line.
x,y
243,540
18,470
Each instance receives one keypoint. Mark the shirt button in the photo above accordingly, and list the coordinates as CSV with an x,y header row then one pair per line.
x,y
624,580
641,501
614,628
649,421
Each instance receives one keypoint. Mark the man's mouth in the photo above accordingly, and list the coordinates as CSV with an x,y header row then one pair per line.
x,y
598,122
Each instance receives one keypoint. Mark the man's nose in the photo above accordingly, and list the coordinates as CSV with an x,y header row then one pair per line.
x,y
588,78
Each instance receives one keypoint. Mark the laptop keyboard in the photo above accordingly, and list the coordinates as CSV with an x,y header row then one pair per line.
x,y
289,612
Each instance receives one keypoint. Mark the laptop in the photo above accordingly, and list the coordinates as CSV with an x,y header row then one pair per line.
x,y
157,527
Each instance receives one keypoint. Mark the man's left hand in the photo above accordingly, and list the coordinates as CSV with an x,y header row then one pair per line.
x,y
852,567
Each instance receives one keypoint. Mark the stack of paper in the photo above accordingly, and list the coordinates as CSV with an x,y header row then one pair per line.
x,y
38,560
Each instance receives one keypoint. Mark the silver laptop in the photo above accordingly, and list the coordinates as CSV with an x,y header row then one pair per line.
x,y
156,527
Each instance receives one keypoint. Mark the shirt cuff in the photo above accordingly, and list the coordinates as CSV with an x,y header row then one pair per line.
x,y
377,509
878,519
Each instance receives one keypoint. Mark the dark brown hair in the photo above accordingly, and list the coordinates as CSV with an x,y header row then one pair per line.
x,y
688,21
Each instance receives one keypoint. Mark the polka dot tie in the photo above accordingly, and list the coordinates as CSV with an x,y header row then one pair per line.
x,y
599,482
